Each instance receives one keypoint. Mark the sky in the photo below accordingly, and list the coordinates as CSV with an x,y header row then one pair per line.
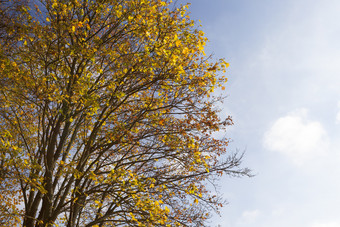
x,y
284,96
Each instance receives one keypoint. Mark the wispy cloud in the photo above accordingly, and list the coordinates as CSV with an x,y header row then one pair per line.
x,y
337,118
326,224
249,216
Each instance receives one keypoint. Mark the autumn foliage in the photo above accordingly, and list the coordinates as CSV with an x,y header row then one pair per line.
x,y
107,115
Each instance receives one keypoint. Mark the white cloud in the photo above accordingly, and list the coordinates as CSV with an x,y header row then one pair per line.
x,y
249,216
326,224
297,137
337,118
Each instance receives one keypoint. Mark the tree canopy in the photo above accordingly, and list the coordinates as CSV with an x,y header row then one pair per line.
x,y
107,115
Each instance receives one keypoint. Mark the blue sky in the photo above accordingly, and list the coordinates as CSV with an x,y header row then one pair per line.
x,y
284,96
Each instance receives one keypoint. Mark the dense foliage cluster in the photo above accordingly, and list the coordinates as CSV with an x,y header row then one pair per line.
x,y
106,115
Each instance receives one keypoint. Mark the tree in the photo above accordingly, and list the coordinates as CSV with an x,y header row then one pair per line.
x,y
107,115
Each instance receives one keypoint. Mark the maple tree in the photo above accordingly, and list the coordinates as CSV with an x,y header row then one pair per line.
x,y
107,115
